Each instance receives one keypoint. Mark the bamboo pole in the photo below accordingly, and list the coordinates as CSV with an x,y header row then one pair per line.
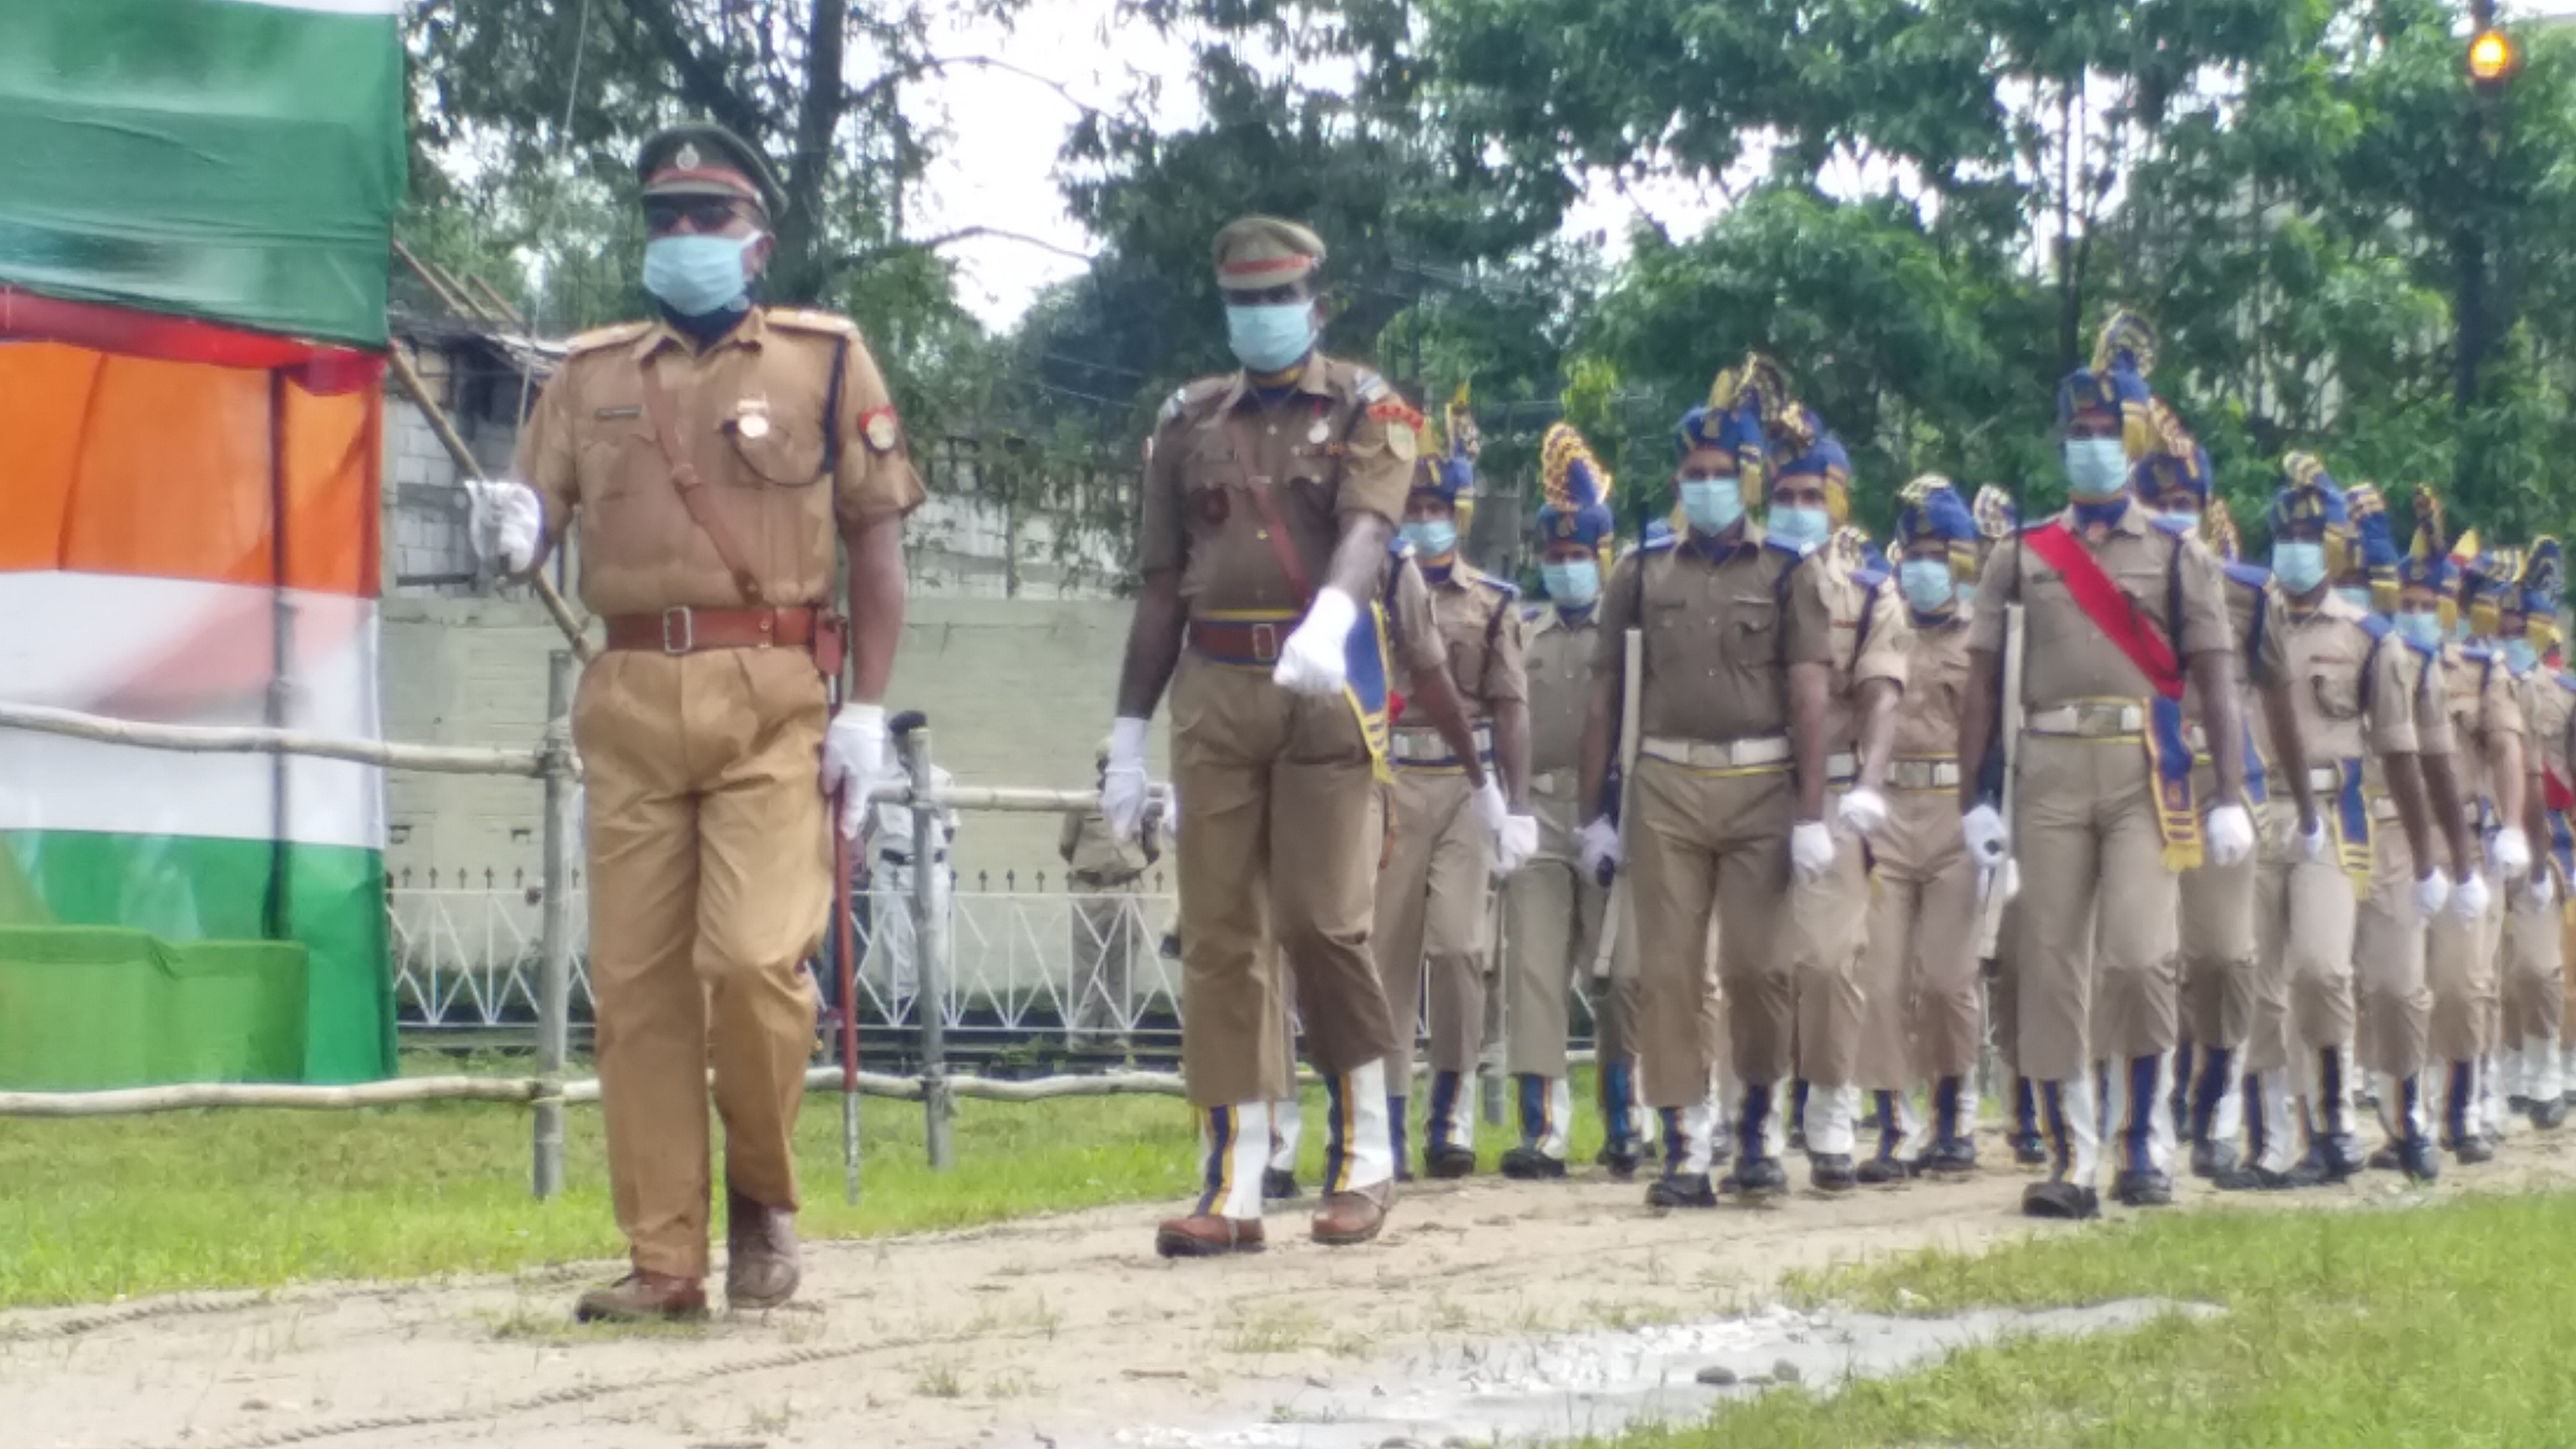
x,y
466,463
420,269
256,740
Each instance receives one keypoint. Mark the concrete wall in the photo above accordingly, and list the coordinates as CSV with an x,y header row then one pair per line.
x,y
1019,692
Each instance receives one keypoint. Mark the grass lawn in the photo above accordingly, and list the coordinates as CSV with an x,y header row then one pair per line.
x,y
2444,1325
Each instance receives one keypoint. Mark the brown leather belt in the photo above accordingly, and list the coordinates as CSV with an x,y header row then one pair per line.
x,y
1232,641
695,631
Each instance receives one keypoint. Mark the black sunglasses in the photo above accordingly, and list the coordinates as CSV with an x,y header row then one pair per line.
x,y
703,213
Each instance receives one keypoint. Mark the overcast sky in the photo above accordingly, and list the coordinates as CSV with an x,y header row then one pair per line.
x,y
998,168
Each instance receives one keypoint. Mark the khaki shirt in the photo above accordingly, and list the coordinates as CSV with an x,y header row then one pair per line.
x,y
2256,618
1558,655
2547,706
1414,642
2355,695
2069,657
1873,637
1936,688
1331,448
1094,850
1480,625
590,446
1720,633
2480,697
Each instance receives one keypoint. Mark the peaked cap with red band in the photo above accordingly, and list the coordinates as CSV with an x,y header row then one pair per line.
x,y
1261,252
703,159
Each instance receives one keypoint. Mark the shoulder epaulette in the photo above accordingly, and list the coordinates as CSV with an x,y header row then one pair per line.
x,y
2565,680
1537,614
1398,548
1188,394
2377,627
615,335
1504,587
1368,386
807,319
1659,544
1800,554
2246,575
1870,579
2477,654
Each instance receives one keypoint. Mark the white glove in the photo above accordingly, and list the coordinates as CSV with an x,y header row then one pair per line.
x,y
1517,843
2231,835
2314,841
2469,899
504,522
1122,781
1600,848
1987,841
1863,811
1491,809
2432,892
1316,658
2541,892
1811,851
2511,852
854,750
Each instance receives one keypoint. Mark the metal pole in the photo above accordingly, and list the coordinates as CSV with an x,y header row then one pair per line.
x,y
554,970
930,950
845,969
1492,1098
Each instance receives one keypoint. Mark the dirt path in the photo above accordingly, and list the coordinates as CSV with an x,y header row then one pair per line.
x,y
1057,1332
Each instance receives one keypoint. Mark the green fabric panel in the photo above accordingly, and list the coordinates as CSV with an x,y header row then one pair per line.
x,y
235,163
185,889
84,1007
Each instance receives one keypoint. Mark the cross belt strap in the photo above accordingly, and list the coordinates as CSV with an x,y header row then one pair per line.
x,y
1273,526
693,496
2111,611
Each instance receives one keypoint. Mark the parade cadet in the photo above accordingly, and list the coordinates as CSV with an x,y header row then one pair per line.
x,y
1731,769
690,446
1270,502
1103,870
1924,1020
1453,831
2118,609
2408,890
2534,988
2460,948
2357,692
2217,901
1829,901
1556,916
1998,520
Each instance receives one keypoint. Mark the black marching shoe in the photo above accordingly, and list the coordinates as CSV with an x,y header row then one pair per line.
x,y
1681,1190
2213,1160
1757,1179
1831,1172
2332,1159
1278,1184
1948,1158
2143,1189
1526,1163
2254,1177
2390,1156
1447,1161
2470,1149
2419,1159
2060,1199
1886,1169
1622,1158
2549,1116
2030,1149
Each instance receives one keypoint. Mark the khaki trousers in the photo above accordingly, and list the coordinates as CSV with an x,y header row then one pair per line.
x,y
1922,1018
2219,986
1277,809
1703,843
2306,915
2389,987
1108,926
2535,993
2091,854
710,879
2460,968
1829,930
1431,920
1553,916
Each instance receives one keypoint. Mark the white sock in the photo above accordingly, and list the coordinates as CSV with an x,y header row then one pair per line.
x,y
1287,1126
1368,1148
1558,1103
1234,1143
1832,1117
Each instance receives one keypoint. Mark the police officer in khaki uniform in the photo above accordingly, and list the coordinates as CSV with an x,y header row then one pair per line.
x,y
1270,503
712,454
1829,903
2357,693
1102,874
1924,1018
2460,948
2119,610
1452,834
1557,918
1730,780
2534,984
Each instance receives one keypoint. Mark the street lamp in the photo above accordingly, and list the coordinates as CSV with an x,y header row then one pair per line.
x,y
2493,60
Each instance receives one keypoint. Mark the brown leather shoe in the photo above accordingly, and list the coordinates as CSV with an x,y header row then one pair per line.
x,y
761,1265
642,1297
1346,1218
1206,1235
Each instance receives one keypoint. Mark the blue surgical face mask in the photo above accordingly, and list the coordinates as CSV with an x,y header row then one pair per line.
x,y
2359,599
697,276
1927,583
2520,657
1712,505
1432,537
2420,627
2097,469
1271,336
2299,564
1800,529
1574,583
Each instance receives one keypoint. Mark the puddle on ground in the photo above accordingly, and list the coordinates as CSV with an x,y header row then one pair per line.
x,y
1548,1389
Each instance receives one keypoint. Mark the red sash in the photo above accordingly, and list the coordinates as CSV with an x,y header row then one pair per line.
x,y
2113,612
